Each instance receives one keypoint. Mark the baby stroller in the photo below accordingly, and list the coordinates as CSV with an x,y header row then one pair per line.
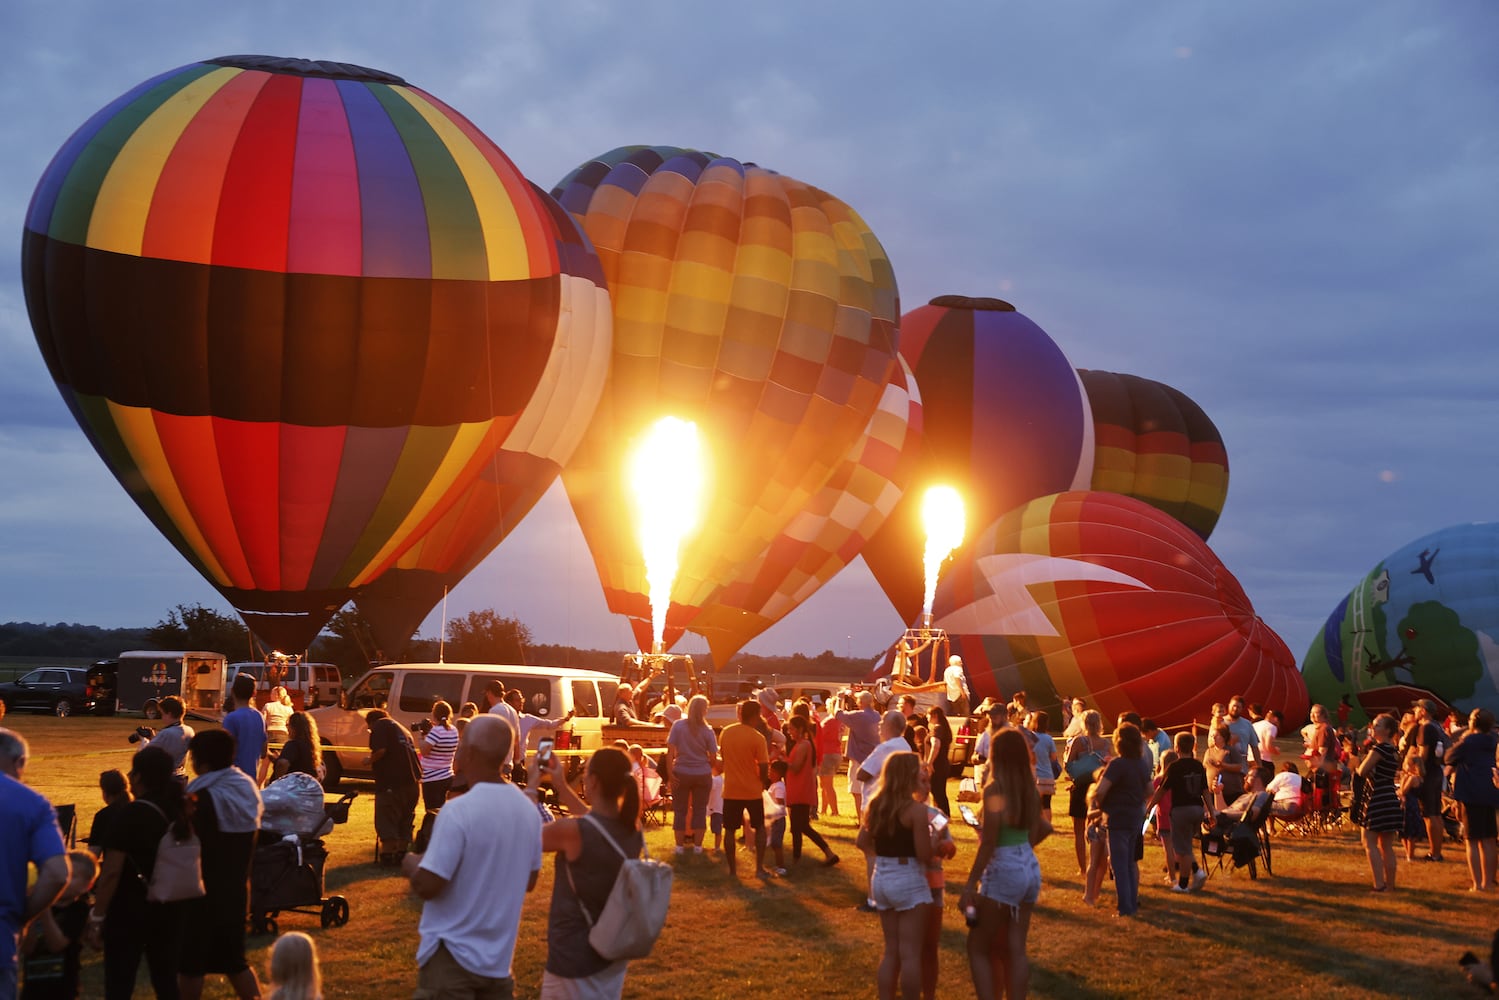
x,y
286,873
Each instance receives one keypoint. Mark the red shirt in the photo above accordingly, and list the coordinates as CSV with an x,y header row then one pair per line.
x,y
801,785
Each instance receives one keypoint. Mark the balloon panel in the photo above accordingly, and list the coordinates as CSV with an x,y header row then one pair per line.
x,y
294,305
1423,621
1154,443
1102,596
1005,420
759,307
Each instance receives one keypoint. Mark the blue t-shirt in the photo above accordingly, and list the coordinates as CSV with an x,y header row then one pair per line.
x,y
29,835
247,726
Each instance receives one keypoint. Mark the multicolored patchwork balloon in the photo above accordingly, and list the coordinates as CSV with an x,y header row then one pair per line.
x,y
1005,420
525,466
295,306
1153,443
1103,596
828,534
753,304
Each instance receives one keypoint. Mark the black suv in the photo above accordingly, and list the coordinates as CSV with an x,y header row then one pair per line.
x,y
62,690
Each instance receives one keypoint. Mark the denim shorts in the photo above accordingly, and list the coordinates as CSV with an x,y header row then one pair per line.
x,y
897,886
1013,876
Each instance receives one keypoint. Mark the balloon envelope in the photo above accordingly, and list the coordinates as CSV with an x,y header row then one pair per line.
x,y
294,305
1153,443
1005,420
1102,596
1424,621
759,307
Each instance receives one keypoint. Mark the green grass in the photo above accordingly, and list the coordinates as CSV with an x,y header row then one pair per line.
x,y
1312,930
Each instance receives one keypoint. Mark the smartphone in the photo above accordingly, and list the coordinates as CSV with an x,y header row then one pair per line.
x,y
968,816
939,822
544,753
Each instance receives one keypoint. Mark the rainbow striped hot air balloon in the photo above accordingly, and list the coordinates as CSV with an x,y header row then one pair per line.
x,y
1005,420
1154,443
295,305
757,306
1103,596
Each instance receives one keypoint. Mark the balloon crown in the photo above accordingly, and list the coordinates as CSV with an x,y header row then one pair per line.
x,y
308,67
970,302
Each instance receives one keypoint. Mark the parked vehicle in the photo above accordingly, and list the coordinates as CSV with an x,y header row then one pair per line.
x,y
61,690
148,675
408,690
310,685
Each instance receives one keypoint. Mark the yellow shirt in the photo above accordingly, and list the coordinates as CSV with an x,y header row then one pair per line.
x,y
744,750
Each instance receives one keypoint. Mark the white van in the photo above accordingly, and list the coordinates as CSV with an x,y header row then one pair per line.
x,y
407,691
309,684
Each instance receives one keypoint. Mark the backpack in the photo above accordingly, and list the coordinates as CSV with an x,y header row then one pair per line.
x,y
178,872
635,912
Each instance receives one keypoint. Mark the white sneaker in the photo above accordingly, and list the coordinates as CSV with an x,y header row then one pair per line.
x,y
1199,879
698,849
681,850
1178,887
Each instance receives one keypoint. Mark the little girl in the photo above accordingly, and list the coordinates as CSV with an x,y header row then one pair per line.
x,y
294,971
1408,784
775,813
715,805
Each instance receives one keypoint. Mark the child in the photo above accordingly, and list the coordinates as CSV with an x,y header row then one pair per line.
x,y
775,813
54,941
715,805
1408,784
294,971
1163,818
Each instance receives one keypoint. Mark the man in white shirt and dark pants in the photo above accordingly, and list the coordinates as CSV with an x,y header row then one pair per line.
x,y
495,704
484,857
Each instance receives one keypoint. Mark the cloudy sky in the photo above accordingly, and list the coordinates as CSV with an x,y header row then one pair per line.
x,y
1286,210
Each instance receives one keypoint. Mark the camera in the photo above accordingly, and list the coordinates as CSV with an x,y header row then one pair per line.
x,y
422,728
142,733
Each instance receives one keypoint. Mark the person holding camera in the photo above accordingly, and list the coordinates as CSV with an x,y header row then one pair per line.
x,y
437,742
175,735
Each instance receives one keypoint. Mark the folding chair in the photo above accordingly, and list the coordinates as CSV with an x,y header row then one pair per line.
x,y
654,803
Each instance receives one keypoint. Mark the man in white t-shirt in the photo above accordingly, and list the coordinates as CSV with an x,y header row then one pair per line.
x,y
473,877
956,687
1265,731
495,704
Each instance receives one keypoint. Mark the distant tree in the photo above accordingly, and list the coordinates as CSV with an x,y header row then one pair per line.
x,y
196,627
486,637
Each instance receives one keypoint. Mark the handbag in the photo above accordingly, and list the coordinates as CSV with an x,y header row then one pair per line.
x,y
635,912
178,872
1084,765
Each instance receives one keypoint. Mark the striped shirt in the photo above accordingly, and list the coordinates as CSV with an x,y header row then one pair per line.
x,y
441,742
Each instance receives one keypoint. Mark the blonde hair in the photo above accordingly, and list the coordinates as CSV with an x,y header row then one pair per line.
x,y
294,968
898,780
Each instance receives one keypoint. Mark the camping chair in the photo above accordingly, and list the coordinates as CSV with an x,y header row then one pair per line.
x,y
1240,842
655,797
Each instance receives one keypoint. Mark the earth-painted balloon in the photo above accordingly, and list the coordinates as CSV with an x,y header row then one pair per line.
x,y
757,306
524,467
295,306
1005,420
822,539
1103,596
1424,622
1154,443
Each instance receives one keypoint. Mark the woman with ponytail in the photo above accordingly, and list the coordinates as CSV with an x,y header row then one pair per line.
x,y
591,847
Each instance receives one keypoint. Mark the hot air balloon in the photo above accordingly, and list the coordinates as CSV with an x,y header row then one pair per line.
x,y
295,306
1153,443
828,534
1103,596
1005,420
1423,623
758,307
514,479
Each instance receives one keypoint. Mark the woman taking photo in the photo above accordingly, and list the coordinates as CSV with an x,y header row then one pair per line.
x,y
801,788
1005,880
122,920
437,747
591,846
938,759
1120,796
1381,814
690,749
895,832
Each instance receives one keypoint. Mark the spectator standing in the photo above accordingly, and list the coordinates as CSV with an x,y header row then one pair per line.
x,y
894,833
1047,765
226,818
892,741
28,836
1472,761
1225,765
1005,880
1185,786
863,735
484,856
247,726
829,758
116,795
939,757
1090,741
123,921
1265,732
998,716
175,735
690,749
1075,725
397,780
1381,815
302,753
495,704
746,768
591,846
801,789
1432,743
437,747
532,723
278,708
1120,796
1246,739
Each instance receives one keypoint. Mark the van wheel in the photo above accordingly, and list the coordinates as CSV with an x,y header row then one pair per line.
x,y
333,771
151,709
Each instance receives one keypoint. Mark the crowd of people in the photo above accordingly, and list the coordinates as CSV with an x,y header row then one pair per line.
x,y
747,785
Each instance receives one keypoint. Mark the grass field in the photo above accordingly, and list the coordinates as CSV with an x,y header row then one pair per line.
x,y
1311,930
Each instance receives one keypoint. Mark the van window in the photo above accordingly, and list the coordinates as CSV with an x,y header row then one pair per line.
x,y
326,675
585,700
608,691
420,690
537,692
374,692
